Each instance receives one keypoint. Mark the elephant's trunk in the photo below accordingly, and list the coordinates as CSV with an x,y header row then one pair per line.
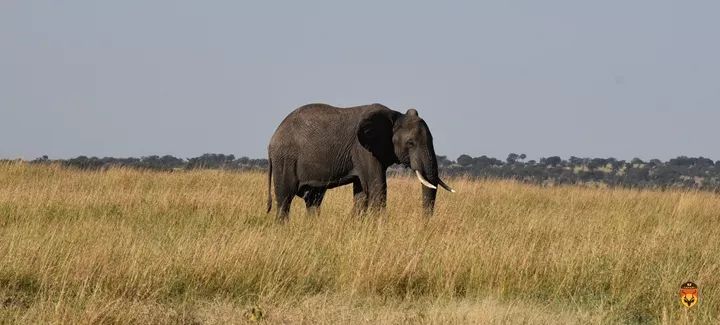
x,y
428,195
424,163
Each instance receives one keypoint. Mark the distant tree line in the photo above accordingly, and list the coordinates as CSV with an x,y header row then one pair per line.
x,y
166,163
680,172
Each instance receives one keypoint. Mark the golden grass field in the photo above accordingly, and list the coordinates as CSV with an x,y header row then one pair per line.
x,y
128,246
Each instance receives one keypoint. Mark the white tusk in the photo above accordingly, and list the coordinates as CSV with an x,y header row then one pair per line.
x,y
445,186
425,181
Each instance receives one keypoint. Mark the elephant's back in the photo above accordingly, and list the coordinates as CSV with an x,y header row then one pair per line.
x,y
318,112
321,127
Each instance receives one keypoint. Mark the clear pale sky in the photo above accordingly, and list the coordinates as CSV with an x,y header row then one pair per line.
x,y
616,79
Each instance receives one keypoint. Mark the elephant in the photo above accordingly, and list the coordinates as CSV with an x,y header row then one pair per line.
x,y
318,147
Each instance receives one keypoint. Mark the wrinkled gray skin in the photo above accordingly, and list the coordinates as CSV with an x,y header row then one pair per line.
x,y
319,147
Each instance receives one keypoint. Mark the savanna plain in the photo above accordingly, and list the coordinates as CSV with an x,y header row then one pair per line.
x,y
130,246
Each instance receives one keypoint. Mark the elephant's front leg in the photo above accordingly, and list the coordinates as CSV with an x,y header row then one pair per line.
x,y
376,190
371,192
360,197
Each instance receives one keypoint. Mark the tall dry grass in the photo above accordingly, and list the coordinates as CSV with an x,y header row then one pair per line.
x,y
131,246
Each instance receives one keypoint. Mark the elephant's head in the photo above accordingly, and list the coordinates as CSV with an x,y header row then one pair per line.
x,y
405,139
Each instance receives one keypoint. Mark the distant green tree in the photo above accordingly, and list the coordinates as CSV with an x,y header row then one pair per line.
x,y
443,162
41,160
575,161
551,161
212,161
655,162
465,160
597,163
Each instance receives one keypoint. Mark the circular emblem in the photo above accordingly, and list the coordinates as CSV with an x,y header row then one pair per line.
x,y
688,294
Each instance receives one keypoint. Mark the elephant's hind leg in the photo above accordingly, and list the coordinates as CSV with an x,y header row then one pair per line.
x,y
286,186
313,199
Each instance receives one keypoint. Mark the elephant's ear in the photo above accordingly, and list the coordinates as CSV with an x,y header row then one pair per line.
x,y
375,133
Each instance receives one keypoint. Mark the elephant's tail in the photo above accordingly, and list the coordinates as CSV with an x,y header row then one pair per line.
x,y
269,200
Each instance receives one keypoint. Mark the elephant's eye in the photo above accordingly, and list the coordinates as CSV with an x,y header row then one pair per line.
x,y
410,143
